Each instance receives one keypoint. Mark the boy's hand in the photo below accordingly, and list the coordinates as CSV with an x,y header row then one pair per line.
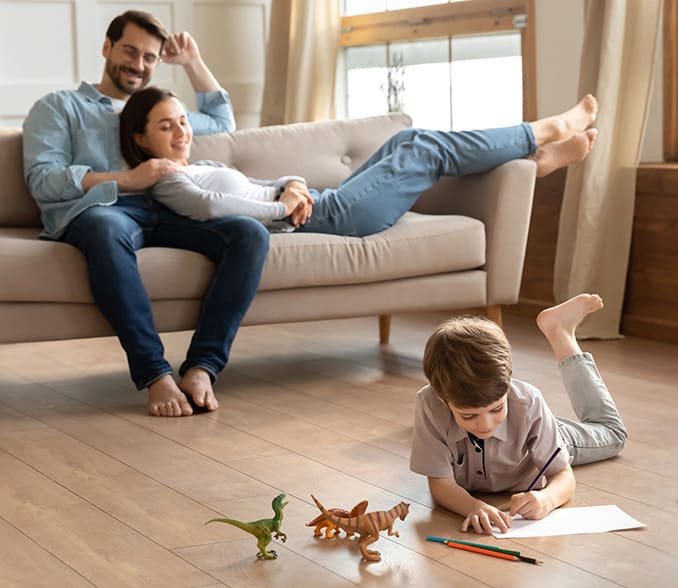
x,y
483,516
531,505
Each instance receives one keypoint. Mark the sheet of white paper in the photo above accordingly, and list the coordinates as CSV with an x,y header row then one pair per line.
x,y
571,521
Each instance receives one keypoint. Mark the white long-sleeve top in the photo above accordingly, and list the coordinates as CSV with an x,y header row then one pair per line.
x,y
209,189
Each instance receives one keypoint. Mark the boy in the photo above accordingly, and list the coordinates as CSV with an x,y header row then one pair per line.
x,y
477,429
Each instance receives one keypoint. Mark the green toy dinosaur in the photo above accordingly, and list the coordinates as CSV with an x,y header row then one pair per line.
x,y
264,529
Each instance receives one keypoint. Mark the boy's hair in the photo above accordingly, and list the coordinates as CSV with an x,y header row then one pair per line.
x,y
144,20
468,363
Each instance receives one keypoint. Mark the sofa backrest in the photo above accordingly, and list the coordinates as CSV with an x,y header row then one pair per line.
x,y
17,208
323,152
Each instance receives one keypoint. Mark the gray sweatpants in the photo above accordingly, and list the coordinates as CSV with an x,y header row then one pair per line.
x,y
599,433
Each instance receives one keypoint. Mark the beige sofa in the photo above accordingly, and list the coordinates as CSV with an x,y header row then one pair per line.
x,y
462,245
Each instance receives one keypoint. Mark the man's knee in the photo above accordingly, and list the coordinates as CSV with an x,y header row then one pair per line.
x,y
249,232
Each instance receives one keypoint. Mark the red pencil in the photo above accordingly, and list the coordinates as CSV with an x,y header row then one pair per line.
x,y
483,551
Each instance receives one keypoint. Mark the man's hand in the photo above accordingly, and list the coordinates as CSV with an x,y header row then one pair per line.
x,y
146,174
181,49
531,505
481,518
298,202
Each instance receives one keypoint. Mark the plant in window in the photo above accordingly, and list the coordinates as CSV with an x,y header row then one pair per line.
x,y
395,84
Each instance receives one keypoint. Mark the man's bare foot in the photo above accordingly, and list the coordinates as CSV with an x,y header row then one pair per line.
x,y
557,154
165,399
197,384
563,126
560,322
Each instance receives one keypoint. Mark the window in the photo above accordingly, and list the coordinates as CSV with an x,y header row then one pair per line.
x,y
449,65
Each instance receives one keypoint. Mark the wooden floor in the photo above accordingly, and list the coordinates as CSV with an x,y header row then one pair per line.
x,y
95,493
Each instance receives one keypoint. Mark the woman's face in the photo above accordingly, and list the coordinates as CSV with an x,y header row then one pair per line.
x,y
168,132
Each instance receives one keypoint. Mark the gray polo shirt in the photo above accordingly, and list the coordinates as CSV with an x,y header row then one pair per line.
x,y
509,460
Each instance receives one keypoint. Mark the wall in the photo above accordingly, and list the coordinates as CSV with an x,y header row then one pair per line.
x,y
53,44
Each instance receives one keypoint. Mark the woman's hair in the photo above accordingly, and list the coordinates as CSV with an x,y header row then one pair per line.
x,y
468,363
140,18
134,118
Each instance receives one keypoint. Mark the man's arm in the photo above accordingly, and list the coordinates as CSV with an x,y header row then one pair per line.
x,y
216,112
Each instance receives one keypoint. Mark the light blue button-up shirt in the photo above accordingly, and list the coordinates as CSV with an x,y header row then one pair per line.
x,y
71,132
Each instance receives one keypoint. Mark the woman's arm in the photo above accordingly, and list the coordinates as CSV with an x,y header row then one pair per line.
x,y
184,197
538,503
479,515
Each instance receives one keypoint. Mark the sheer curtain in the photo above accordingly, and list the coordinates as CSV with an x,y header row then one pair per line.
x,y
301,61
594,237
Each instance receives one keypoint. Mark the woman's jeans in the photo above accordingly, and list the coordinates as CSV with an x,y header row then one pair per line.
x,y
599,433
109,237
386,186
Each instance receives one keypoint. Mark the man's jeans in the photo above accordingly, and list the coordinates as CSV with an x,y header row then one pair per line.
x,y
109,237
386,186
599,433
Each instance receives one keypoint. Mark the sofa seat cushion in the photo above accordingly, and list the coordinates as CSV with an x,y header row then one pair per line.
x,y
417,245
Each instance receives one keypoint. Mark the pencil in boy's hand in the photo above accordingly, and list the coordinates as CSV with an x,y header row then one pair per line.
x,y
542,470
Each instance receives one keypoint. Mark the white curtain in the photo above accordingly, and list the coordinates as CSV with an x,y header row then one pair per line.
x,y
594,237
301,61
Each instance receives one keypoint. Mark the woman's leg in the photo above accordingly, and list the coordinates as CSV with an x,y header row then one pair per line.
x,y
408,164
599,433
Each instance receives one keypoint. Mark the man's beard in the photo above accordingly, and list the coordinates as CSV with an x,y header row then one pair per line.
x,y
114,72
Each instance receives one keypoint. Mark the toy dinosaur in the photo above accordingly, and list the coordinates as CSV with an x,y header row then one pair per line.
x,y
264,529
368,525
322,522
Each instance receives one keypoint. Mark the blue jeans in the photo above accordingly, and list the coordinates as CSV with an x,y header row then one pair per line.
x,y
386,186
109,237
599,433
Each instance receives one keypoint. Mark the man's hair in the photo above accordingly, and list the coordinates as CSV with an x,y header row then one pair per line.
x,y
134,118
468,363
144,20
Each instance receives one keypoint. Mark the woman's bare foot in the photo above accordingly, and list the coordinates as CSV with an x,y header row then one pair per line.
x,y
563,126
197,384
560,322
165,399
557,154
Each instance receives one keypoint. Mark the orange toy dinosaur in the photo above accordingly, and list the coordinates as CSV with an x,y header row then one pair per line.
x,y
368,525
322,522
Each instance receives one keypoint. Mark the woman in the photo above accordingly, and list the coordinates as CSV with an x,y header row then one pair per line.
x,y
153,125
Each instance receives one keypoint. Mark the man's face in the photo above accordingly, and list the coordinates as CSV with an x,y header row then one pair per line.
x,y
131,60
481,422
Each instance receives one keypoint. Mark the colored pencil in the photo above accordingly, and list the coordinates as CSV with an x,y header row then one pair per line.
x,y
482,551
542,470
488,548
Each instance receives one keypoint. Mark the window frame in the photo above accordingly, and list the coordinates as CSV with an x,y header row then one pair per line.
x,y
466,17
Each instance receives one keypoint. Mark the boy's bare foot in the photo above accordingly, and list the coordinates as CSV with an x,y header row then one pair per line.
x,y
559,323
557,154
197,384
563,126
165,399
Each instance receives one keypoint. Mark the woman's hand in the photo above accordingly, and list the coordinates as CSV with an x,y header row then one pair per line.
x,y
531,505
483,516
298,202
146,174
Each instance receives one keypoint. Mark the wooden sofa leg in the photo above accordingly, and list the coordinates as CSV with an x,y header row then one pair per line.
x,y
384,328
493,313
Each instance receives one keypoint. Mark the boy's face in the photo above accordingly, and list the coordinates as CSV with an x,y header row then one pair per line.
x,y
483,421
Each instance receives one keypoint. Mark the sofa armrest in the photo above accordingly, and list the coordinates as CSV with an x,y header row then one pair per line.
x,y
502,200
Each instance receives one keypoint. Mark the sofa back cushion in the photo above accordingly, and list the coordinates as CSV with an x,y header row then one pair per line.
x,y
17,208
323,152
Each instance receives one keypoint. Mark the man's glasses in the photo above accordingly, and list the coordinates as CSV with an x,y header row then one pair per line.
x,y
133,54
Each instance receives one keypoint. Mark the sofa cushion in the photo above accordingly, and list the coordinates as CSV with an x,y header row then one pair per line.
x,y
417,245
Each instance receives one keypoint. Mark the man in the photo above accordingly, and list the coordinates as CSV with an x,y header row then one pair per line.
x,y
75,172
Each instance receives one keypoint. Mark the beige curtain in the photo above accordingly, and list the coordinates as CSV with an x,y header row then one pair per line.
x,y
301,61
594,237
